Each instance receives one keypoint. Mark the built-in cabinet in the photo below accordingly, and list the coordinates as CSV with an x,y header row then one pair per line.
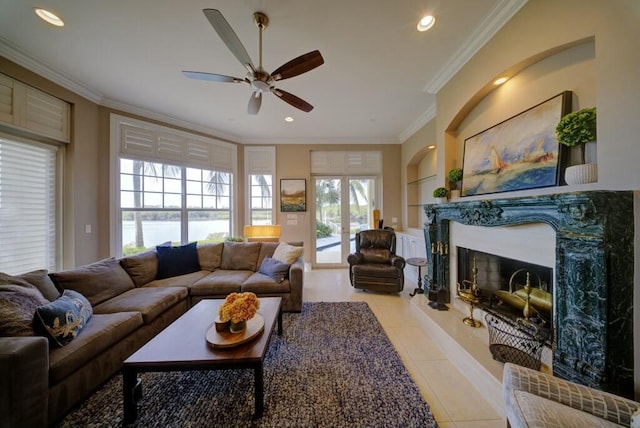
x,y
30,110
409,246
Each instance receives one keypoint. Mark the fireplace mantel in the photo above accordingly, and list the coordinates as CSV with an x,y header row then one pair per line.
x,y
593,295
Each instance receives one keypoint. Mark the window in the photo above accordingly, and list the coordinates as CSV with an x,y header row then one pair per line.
x,y
171,186
28,206
162,202
260,169
261,194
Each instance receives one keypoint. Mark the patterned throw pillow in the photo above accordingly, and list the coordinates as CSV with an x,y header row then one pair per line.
x,y
275,269
61,320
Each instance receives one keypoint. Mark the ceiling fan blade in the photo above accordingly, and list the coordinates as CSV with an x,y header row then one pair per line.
x,y
211,77
299,65
229,37
254,103
292,99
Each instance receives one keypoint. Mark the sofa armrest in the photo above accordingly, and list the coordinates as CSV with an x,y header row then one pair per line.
x,y
355,259
24,384
598,403
296,274
398,261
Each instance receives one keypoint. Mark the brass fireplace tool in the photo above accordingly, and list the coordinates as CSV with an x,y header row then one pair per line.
x,y
469,293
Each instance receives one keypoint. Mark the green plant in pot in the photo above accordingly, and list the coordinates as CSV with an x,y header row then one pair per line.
x,y
440,193
577,129
455,177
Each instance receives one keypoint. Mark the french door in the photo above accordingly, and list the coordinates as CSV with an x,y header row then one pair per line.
x,y
343,206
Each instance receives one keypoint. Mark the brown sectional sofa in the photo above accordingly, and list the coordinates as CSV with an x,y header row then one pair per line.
x,y
40,383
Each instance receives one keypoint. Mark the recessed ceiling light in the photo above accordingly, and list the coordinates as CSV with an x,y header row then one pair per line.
x,y
49,17
500,81
288,119
426,22
431,147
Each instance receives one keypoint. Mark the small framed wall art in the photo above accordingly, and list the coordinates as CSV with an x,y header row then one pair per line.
x,y
293,195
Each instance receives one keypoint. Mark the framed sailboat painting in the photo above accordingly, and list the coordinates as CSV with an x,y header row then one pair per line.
x,y
519,153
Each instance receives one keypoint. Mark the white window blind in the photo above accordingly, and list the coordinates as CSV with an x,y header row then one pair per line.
x,y
27,207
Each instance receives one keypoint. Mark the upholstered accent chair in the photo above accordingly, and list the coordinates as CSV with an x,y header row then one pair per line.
x,y
375,266
535,399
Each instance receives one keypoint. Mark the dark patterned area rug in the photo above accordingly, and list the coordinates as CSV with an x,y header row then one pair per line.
x,y
333,367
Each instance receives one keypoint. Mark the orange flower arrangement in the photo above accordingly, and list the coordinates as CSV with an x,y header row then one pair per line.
x,y
239,307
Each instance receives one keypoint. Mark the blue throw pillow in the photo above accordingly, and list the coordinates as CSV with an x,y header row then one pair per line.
x,y
275,269
174,261
61,320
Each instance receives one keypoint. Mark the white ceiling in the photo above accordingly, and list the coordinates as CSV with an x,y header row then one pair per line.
x,y
377,84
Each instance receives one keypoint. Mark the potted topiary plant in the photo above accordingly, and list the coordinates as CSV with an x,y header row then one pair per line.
x,y
455,177
576,130
440,194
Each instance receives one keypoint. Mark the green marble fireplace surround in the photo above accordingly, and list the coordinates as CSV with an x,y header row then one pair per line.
x,y
593,284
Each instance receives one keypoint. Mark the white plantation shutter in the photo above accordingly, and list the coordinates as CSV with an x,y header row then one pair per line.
x,y
150,142
28,109
342,162
27,207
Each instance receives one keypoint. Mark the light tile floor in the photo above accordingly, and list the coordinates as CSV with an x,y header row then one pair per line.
x,y
453,400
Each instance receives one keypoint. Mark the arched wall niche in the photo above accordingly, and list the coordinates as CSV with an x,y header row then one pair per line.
x,y
533,80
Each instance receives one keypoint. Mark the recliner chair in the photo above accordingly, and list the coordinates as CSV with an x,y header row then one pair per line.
x,y
375,266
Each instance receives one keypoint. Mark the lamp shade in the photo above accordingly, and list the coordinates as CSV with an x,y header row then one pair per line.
x,y
262,232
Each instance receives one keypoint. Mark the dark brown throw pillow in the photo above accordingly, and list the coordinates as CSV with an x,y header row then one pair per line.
x,y
18,303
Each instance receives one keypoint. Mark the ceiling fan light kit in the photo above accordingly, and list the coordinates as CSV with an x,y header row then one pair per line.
x,y
257,78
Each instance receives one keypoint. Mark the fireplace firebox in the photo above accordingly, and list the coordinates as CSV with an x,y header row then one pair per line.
x,y
499,276
593,282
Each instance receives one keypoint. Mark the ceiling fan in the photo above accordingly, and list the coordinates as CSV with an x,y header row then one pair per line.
x,y
259,80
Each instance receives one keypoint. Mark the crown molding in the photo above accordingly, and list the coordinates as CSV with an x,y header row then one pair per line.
x,y
418,123
23,59
169,120
494,21
327,141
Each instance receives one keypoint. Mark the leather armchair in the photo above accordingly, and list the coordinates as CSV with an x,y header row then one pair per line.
x,y
375,266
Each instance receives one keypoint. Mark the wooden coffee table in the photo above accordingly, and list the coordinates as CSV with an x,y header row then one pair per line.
x,y
182,346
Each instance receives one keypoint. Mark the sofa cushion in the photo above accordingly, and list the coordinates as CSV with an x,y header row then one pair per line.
x,y
274,269
240,256
287,253
532,411
149,301
174,261
266,250
142,268
179,281
100,334
18,303
97,281
61,320
262,284
220,282
40,279
210,256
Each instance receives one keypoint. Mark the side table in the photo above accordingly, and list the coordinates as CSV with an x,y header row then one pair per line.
x,y
417,261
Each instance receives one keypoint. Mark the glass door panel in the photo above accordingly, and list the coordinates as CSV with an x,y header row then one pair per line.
x,y
329,227
344,206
